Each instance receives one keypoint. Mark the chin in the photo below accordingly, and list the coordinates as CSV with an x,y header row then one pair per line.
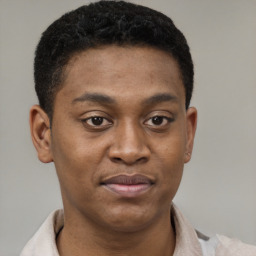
x,y
128,219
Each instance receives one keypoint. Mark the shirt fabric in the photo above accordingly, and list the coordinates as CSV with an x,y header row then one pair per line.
x,y
189,242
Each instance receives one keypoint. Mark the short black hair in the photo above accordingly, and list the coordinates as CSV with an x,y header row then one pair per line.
x,y
105,23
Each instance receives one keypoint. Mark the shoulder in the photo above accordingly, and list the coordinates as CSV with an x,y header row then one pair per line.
x,y
43,242
220,245
233,247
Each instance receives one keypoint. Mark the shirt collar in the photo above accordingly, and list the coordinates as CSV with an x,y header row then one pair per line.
x,y
44,241
186,238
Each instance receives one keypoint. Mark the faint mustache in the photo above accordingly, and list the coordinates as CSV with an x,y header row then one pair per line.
x,y
128,180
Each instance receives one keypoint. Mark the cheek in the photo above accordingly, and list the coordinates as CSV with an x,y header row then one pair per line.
x,y
78,161
173,170
171,150
75,169
171,159
71,160
72,147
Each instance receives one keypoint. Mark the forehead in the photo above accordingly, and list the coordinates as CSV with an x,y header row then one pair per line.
x,y
119,71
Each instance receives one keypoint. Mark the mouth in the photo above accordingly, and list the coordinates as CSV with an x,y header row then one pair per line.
x,y
128,186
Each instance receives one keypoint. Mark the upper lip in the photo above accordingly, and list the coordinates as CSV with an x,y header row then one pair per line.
x,y
128,180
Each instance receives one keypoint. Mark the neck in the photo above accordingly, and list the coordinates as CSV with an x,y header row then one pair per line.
x,y
83,239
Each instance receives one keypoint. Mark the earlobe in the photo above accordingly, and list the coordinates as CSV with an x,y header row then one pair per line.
x,y
191,120
41,133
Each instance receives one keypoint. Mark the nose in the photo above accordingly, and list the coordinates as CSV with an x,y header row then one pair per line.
x,y
129,145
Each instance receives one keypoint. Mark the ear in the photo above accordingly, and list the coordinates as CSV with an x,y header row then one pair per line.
x,y
191,123
41,133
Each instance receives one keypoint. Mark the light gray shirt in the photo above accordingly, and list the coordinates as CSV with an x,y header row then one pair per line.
x,y
188,241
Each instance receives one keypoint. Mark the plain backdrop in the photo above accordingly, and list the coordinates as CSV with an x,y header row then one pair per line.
x,y
218,190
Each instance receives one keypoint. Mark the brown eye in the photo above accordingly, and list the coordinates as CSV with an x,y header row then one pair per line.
x,y
97,122
157,120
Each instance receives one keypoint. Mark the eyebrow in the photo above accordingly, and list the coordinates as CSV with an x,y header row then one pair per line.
x,y
105,99
158,98
95,97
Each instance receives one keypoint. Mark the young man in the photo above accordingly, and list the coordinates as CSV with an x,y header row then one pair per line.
x,y
114,82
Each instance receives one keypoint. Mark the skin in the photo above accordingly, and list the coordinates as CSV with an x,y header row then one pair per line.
x,y
142,127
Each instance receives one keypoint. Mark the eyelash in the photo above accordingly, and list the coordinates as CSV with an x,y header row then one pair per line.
x,y
161,117
102,120
95,126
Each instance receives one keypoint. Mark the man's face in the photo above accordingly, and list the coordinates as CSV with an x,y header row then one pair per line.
x,y
119,137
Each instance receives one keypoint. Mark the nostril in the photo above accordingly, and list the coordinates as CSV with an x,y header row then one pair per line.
x,y
142,159
117,159
129,161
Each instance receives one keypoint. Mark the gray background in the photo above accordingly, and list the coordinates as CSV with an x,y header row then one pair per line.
x,y
219,186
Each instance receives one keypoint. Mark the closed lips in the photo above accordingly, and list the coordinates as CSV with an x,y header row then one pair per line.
x,y
128,180
128,186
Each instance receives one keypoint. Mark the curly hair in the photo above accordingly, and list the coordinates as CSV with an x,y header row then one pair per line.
x,y
105,23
